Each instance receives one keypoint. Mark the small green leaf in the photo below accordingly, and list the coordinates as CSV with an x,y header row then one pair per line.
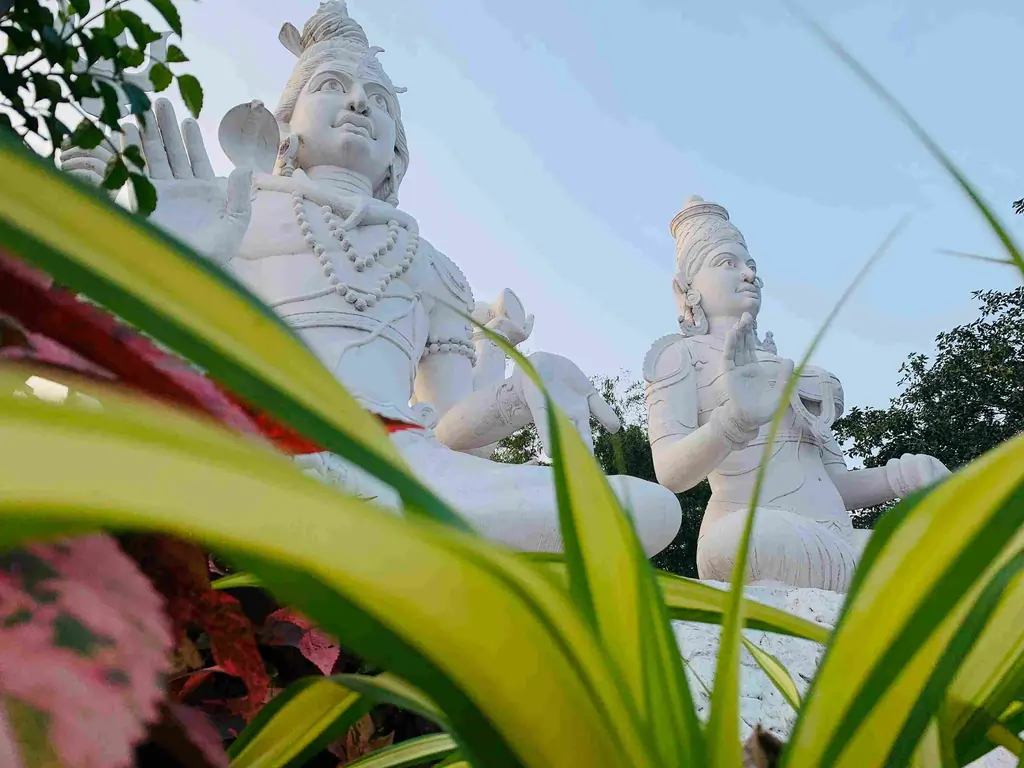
x,y
145,193
117,174
57,130
81,7
113,24
111,112
86,135
161,77
134,155
82,86
138,101
103,42
131,57
141,31
46,88
166,9
175,55
191,93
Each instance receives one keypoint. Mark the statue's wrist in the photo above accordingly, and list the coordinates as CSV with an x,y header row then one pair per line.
x,y
736,433
894,475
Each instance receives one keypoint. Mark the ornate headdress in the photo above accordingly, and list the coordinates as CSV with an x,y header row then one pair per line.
x,y
697,229
332,34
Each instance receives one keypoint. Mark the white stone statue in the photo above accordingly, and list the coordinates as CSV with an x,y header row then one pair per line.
x,y
711,392
317,235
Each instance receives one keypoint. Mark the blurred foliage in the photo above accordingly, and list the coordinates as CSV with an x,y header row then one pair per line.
x,y
959,404
62,56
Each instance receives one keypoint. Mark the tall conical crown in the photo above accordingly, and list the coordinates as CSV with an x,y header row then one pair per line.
x,y
331,29
698,227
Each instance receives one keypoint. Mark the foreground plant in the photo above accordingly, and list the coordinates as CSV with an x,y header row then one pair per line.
x,y
522,662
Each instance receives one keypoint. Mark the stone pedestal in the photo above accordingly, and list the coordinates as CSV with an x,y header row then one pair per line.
x,y
760,702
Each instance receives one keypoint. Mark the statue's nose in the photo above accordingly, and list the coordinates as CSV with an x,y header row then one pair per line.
x,y
748,274
356,101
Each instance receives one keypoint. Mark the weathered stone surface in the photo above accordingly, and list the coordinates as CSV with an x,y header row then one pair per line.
x,y
760,702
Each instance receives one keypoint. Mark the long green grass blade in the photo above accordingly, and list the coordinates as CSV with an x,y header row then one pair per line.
x,y
296,724
694,600
464,621
386,688
942,547
723,725
776,672
613,585
1007,582
1012,250
424,749
180,298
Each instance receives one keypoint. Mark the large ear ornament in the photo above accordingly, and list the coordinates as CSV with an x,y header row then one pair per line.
x,y
290,38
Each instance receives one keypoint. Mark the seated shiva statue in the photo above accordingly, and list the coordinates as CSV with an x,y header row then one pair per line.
x,y
712,391
319,237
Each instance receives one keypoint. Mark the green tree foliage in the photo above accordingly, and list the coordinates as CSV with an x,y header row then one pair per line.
x,y
628,452
966,400
60,54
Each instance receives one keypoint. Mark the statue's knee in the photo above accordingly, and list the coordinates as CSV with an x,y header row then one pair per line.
x,y
655,511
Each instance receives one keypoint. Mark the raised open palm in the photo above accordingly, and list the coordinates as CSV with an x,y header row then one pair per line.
x,y
209,213
753,391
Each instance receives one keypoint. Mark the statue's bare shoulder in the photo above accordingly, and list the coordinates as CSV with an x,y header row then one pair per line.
x,y
452,287
669,361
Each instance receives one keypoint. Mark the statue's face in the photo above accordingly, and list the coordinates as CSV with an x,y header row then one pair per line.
x,y
728,282
343,120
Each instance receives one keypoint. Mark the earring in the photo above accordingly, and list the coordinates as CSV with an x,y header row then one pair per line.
x,y
693,321
391,184
287,155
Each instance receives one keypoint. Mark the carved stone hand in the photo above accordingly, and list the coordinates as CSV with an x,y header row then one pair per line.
x,y
571,391
505,317
912,472
753,391
209,213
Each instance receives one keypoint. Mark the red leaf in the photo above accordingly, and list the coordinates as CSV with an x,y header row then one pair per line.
x,y
317,646
179,570
233,644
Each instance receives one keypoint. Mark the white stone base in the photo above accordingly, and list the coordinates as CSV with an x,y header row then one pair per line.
x,y
760,702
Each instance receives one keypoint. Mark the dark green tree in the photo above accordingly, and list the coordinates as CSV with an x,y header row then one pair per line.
x,y
627,452
61,54
955,407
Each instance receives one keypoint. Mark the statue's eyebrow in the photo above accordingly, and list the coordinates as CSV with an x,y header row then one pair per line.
x,y
321,74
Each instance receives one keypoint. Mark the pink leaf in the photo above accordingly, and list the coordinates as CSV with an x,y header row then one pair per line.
x,y
84,643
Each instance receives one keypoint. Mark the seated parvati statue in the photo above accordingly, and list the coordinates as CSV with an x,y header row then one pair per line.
x,y
711,392
320,239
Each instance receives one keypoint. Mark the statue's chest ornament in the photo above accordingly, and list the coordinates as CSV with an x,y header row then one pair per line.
x,y
369,287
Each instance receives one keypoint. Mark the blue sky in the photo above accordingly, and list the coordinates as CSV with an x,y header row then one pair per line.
x,y
553,141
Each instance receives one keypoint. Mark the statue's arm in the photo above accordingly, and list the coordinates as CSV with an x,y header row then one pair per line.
x,y
444,375
684,453
859,488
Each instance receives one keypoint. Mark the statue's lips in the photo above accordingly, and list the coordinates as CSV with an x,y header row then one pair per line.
x,y
356,124
752,291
